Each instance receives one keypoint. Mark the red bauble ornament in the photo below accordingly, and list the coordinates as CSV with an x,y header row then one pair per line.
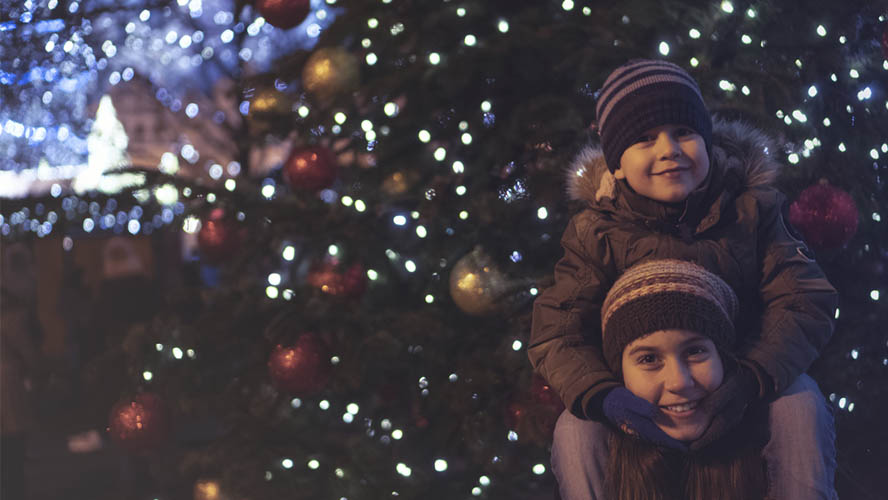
x,y
310,168
220,237
825,215
139,423
330,278
533,414
301,368
284,14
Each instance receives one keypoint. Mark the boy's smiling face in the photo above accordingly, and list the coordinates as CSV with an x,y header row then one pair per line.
x,y
666,163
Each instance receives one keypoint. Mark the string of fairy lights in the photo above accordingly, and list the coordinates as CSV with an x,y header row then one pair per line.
x,y
225,39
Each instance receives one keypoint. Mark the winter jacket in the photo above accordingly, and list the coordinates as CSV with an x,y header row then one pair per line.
x,y
732,225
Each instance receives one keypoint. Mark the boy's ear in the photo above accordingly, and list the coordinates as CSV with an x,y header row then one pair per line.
x,y
619,174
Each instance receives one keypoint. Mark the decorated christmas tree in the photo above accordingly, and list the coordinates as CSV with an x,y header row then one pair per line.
x,y
363,199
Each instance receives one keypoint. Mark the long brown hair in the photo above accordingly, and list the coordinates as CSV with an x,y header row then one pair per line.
x,y
730,469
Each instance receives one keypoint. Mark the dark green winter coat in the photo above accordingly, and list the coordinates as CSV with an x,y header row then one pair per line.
x,y
732,225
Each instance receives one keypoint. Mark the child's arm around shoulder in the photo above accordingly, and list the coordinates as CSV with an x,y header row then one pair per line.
x,y
799,302
565,341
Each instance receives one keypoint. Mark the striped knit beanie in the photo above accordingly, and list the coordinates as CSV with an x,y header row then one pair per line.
x,y
643,94
666,294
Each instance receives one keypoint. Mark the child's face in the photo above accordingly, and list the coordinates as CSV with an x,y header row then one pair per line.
x,y
665,164
674,370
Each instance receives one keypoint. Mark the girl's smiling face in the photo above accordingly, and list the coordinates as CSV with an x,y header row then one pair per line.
x,y
675,370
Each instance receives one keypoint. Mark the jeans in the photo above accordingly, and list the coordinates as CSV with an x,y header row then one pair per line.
x,y
800,454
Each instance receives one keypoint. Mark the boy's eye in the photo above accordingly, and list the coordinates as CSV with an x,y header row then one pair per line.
x,y
684,131
697,350
644,138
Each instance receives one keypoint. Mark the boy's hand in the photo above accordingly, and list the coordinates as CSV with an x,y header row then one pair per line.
x,y
727,404
635,416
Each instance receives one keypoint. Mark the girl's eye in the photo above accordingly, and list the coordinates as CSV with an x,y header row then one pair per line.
x,y
697,350
647,359
684,132
644,138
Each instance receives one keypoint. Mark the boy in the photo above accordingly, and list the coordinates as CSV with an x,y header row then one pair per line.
x,y
667,184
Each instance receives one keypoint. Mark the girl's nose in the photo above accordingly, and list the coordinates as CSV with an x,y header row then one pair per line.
x,y
677,377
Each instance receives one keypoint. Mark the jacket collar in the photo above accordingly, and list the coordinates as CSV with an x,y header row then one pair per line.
x,y
740,159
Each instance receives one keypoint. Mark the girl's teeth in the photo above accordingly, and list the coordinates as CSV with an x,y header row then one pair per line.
x,y
681,408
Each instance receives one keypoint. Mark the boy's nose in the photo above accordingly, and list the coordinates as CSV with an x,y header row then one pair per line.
x,y
667,147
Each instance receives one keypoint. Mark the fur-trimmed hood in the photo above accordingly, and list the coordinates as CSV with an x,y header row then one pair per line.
x,y
738,149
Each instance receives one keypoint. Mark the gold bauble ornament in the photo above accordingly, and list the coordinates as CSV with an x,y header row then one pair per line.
x,y
208,489
477,286
330,71
269,100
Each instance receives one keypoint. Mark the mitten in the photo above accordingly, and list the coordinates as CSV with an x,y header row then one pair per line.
x,y
635,416
727,404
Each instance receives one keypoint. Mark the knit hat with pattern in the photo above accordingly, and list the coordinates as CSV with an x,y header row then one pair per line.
x,y
666,294
643,94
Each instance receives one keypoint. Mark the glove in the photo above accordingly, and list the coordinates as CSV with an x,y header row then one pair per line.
x,y
728,404
635,416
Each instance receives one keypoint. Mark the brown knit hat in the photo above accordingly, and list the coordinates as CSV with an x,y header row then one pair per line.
x,y
666,294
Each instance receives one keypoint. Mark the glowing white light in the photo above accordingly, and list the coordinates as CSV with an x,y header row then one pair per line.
x,y
429,299
313,464
403,470
177,353
476,491
158,347
333,250
372,274
463,215
664,48
503,26
271,292
352,408
390,109
567,5
539,469
440,465
534,291
434,58
295,403
877,217
726,85
397,434
694,62
421,231
517,345
874,154
303,111
460,190
410,266
542,213
371,58
324,405
461,12
853,73
339,117
821,30
842,147
372,23
745,90
190,353
751,13
812,91
854,353
360,206
470,40
287,463
440,154
746,39
842,402
694,33
837,313
274,279
864,94
458,167
147,375
424,136
484,481
798,115
348,418
399,220
486,106
230,184
512,436
874,294
793,158
466,138
727,6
